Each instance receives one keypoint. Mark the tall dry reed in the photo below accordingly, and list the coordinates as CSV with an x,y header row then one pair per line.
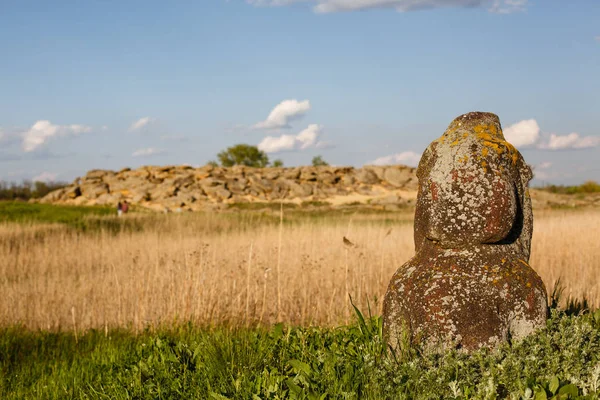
x,y
211,269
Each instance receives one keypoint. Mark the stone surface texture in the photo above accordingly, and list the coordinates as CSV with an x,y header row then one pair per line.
x,y
469,284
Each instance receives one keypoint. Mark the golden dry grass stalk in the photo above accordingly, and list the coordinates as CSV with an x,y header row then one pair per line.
x,y
214,270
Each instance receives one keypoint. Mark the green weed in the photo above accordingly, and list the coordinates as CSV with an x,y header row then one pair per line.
x,y
349,362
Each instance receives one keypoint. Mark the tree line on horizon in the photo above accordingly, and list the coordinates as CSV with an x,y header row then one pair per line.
x,y
27,189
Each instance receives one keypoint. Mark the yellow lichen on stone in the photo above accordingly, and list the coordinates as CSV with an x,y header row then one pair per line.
x,y
488,129
479,129
496,142
493,144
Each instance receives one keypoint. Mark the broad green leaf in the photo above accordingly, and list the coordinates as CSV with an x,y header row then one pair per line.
x,y
300,366
293,387
540,395
554,385
569,389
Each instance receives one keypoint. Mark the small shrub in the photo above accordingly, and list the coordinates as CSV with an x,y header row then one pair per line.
x,y
585,188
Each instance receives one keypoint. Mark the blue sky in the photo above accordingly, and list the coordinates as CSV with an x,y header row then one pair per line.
x,y
112,84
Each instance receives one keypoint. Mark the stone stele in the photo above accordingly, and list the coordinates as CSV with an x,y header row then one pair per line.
x,y
469,284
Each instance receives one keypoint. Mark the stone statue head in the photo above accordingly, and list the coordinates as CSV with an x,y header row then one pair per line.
x,y
473,188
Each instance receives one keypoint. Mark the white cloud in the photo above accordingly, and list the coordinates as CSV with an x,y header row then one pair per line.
x,y
508,6
306,139
149,151
409,158
523,133
283,114
140,123
570,141
272,144
526,133
330,6
44,130
45,177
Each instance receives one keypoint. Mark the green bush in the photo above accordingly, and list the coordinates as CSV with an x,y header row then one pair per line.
x,y
243,154
587,187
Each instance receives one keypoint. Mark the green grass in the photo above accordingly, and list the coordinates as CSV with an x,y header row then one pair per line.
x,y
47,213
241,217
79,218
303,363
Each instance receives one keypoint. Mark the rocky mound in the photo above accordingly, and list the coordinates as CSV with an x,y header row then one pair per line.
x,y
179,188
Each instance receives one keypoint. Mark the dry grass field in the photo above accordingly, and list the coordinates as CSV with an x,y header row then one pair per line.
x,y
228,269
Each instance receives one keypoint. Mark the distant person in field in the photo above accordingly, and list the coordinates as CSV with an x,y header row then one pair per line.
x,y
125,207
119,209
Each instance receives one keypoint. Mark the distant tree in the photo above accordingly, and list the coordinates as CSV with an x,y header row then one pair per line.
x,y
243,154
277,163
212,163
318,161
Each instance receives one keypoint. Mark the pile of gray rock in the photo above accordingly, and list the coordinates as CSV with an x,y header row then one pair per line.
x,y
179,188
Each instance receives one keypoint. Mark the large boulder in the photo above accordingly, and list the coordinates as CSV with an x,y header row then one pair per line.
x,y
299,190
398,176
97,174
379,171
72,192
308,174
366,176
469,284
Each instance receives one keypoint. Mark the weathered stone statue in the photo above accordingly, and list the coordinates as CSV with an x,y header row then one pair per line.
x,y
469,284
